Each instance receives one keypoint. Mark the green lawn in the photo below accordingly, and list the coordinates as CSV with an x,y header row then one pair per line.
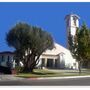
x,y
48,73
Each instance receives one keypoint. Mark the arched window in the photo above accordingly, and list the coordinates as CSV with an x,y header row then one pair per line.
x,y
74,20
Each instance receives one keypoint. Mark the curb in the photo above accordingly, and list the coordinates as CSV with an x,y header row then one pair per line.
x,y
69,77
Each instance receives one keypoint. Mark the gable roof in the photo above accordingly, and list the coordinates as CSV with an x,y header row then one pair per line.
x,y
57,50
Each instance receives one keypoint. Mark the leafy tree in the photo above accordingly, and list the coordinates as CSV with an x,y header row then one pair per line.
x,y
30,42
81,45
76,51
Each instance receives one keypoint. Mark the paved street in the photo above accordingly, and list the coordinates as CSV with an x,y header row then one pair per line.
x,y
47,82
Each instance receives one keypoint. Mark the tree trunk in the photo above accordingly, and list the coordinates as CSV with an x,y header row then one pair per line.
x,y
79,67
29,66
28,69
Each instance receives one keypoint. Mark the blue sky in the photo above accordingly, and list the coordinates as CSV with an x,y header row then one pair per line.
x,y
49,16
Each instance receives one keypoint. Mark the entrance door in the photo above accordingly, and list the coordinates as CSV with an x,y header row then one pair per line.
x,y
50,63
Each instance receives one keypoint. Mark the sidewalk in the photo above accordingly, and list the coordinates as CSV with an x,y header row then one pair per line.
x,y
65,77
9,77
65,70
12,77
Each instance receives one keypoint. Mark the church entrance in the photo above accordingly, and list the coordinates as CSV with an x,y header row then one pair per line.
x,y
49,63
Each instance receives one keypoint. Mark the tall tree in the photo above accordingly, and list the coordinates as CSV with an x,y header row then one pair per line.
x,y
76,51
81,45
30,42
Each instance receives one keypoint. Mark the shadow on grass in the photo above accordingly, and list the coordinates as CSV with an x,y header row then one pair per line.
x,y
40,73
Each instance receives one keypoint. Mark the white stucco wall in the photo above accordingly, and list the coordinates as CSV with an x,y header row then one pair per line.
x,y
73,31
70,25
55,53
68,60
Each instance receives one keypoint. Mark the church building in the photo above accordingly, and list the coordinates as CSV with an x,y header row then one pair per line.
x,y
60,57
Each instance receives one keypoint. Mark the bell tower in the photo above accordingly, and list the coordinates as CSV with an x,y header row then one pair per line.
x,y
72,23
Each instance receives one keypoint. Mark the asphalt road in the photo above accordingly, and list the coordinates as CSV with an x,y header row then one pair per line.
x,y
47,82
